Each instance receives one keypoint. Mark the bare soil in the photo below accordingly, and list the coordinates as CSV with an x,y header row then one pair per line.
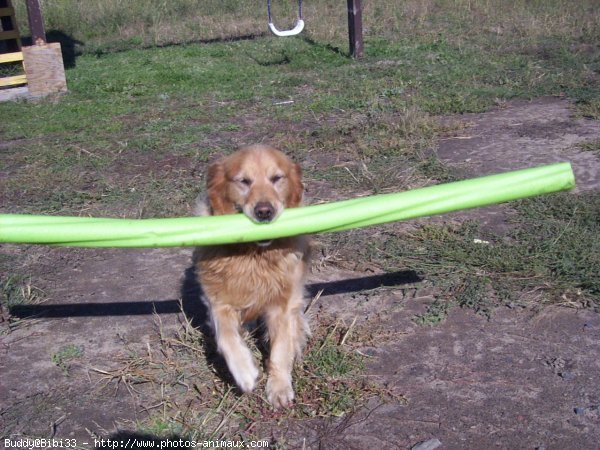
x,y
523,379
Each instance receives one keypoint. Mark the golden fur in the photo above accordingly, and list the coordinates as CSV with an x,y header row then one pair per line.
x,y
243,282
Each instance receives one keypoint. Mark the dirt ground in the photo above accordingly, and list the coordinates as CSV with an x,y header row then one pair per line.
x,y
523,379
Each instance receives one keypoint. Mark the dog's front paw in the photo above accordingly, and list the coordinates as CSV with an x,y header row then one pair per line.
x,y
280,392
244,372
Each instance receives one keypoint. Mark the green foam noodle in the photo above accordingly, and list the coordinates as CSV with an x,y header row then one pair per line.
x,y
323,218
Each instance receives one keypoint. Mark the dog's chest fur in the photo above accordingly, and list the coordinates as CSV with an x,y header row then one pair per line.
x,y
249,277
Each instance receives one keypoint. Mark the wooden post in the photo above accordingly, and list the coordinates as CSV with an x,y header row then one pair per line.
x,y
36,22
355,28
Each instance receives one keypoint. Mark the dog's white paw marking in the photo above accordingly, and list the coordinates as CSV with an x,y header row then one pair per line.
x,y
280,392
245,373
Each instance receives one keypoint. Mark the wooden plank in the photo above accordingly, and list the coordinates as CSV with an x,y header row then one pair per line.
x,y
14,80
44,68
10,34
11,57
7,12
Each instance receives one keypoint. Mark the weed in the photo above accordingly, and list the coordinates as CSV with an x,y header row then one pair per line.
x,y
328,382
431,167
563,245
591,146
64,357
435,313
16,290
475,293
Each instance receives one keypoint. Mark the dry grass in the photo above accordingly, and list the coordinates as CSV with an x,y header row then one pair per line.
x,y
158,22
17,290
183,386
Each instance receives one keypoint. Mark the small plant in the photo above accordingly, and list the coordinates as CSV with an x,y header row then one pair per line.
x,y
66,355
435,313
591,146
474,293
590,109
15,290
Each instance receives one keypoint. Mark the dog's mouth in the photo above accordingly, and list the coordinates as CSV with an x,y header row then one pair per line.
x,y
261,213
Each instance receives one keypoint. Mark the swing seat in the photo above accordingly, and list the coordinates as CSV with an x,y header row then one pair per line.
x,y
294,31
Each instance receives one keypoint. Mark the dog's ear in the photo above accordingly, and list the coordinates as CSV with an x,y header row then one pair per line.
x,y
216,187
296,188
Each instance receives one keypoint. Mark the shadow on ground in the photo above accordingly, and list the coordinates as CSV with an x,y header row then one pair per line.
x,y
190,302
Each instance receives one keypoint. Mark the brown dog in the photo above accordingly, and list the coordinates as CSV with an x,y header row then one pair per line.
x,y
243,282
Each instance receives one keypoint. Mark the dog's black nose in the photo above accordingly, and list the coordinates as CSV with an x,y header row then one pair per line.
x,y
264,212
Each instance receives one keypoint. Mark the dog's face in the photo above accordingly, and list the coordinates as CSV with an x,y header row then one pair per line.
x,y
258,181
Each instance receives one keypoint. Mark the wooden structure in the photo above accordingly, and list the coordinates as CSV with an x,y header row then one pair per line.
x,y
10,41
42,62
355,33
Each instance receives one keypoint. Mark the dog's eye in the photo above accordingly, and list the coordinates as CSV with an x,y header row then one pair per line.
x,y
246,181
276,178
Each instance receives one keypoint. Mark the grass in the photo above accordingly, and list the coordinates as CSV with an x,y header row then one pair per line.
x,y
195,398
551,255
591,146
140,111
158,89
64,357
436,312
15,289
115,24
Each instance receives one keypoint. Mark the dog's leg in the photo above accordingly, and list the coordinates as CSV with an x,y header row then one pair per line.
x,y
226,322
287,330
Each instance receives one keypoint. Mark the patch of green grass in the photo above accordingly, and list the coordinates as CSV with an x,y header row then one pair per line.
x,y
434,314
591,146
564,245
15,289
552,250
329,382
431,167
64,357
